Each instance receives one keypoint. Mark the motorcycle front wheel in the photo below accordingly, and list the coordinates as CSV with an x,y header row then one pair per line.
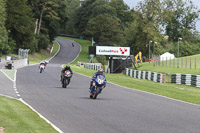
x,y
96,93
65,83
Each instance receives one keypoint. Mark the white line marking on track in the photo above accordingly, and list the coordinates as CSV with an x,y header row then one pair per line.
x,y
8,96
56,128
56,52
6,75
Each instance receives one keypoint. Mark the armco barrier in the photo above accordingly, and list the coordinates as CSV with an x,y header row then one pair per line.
x,y
186,79
94,66
153,76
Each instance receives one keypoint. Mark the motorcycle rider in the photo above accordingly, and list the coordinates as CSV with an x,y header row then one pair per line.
x,y
99,72
44,63
63,71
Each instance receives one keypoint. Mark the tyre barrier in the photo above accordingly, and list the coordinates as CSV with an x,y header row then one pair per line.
x,y
186,79
153,76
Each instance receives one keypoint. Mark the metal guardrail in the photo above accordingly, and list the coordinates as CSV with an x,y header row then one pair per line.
x,y
94,66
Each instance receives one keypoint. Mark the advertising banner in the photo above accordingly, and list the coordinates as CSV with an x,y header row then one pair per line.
x,y
108,50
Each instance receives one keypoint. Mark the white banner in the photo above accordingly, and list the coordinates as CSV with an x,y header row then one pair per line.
x,y
108,50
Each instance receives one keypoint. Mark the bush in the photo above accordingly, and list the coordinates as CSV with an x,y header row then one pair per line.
x,y
43,42
101,59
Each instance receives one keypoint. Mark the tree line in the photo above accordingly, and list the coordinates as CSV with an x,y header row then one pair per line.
x,y
30,24
33,24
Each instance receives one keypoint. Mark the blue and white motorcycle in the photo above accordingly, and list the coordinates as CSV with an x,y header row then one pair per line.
x,y
97,86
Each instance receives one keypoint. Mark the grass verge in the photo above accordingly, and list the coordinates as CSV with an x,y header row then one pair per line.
x,y
16,117
180,92
43,55
9,73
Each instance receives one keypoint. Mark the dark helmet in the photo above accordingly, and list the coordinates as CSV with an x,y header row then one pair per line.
x,y
67,66
100,71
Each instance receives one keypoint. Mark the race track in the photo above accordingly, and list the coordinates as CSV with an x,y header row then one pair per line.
x,y
116,110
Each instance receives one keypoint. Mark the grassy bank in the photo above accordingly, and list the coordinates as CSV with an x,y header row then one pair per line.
x,y
181,92
37,57
9,72
16,117
170,67
43,55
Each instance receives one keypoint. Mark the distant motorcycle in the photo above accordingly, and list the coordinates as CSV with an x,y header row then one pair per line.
x,y
97,86
66,78
41,67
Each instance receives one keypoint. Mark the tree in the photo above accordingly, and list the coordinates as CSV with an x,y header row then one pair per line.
x,y
52,16
122,11
20,24
179,15
91,9
146,26
69,27
3,31
105,30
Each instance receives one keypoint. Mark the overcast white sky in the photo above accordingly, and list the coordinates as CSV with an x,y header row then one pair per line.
x,y
132,3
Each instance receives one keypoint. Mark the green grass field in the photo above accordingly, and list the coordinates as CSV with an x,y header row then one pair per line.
x,y
16,117
170,67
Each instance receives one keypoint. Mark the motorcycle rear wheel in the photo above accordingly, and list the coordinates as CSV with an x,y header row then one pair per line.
x,y
64,84
41,70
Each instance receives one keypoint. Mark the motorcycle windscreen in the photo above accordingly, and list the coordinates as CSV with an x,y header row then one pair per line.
x,y
67,73
100,80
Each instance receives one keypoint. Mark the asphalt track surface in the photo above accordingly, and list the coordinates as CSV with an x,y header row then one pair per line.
x,y
6,86
116,110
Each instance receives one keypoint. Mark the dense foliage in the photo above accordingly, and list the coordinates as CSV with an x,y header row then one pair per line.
x,y
33,24
3,31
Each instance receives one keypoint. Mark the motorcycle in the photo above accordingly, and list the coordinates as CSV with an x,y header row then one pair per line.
x,y
97,86
66,78
41,67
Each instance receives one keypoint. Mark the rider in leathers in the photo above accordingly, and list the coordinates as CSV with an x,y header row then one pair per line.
x,y
99,72
63,71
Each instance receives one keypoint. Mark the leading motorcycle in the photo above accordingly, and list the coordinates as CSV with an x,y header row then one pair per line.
x,y
66,78
41,67
97,86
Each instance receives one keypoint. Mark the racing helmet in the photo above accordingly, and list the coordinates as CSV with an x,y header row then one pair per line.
x,y
68,66
100,71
